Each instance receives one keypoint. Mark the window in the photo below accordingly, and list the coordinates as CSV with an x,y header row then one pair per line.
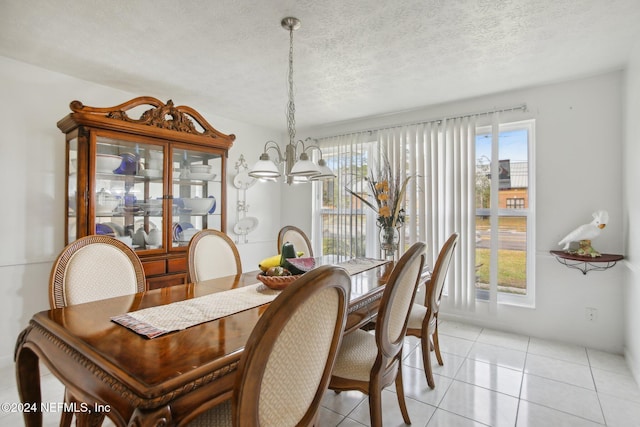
x,y
468,179
515,203
344,222
505,213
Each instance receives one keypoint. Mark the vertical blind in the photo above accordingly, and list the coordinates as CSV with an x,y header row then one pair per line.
x,y
440,158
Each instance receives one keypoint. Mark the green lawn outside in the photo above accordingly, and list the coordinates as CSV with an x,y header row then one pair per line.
x,y
511,265
512,273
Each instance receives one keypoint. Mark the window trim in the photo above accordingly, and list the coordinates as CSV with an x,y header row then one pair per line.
x,y
529,299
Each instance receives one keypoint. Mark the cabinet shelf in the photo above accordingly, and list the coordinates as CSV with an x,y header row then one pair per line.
x,y
586,264
182,181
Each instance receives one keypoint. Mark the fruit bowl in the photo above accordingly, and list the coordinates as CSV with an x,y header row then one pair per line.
x,y
277,282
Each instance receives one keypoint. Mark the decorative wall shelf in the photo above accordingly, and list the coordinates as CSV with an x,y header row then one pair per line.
x,y
587,263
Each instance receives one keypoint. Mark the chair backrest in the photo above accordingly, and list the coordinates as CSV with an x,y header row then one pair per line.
x,y
434,291
297,237
397,299
212,254
94,268
286,365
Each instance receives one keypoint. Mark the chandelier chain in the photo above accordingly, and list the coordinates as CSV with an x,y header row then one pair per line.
x,y
297,165
291,110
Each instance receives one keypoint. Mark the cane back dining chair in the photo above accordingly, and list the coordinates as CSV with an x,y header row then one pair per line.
x,y
94,268
423,319
90,269
212,254
297,237
285,367
369,362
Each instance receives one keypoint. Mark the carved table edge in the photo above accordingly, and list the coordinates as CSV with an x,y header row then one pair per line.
x,y
116,385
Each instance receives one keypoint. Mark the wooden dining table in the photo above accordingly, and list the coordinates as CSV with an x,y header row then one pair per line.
x,y
138,381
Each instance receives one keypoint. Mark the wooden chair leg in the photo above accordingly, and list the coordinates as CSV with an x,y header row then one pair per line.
x,y
426,360
436,345
400,394
66,417
375,407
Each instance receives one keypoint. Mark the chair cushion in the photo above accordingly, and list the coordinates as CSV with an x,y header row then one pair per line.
x,y
416,316
218,416
356,357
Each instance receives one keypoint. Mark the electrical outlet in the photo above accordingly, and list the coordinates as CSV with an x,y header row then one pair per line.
x,y
591,313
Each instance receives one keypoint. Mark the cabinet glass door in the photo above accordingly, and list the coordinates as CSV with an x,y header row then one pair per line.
x,y
72,190
129,192
196,189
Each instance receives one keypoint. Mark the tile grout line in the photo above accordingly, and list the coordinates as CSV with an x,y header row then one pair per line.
x,y
524,367
595,386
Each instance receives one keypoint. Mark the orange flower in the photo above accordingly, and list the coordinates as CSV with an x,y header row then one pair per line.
x,y
386,196
383,186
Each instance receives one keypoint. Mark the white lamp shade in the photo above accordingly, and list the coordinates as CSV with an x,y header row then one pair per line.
x,y
264,169
300,179
304,167
325,172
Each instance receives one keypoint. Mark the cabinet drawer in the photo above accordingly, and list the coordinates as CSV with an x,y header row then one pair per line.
x,y
177,265
153,268
168,280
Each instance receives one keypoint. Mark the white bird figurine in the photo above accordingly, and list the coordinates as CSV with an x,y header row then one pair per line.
x,y
585,233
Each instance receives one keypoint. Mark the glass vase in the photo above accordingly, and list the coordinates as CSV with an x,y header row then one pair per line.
x,y
389,239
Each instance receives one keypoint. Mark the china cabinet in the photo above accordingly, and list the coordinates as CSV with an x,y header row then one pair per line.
x,y
151,181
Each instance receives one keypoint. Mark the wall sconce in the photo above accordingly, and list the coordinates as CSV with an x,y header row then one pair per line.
x,y
242,181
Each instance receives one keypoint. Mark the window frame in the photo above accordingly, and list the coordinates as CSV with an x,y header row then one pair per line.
x,y
529,299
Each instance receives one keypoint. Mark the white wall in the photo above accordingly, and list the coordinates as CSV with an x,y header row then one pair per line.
x,y
578,170
32,176
631,217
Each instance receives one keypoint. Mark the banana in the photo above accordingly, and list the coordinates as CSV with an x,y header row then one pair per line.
x,y
267,263
273,261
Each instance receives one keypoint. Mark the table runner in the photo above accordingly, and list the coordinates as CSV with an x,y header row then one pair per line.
x,y
358,265
153,322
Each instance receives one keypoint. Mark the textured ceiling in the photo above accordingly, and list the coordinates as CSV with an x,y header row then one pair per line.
x,y
353,58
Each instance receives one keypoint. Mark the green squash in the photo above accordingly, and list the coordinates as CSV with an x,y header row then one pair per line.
x,y
288,251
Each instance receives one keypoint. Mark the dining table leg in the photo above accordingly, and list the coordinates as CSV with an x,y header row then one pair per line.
x,y
156,417
28,381
89,419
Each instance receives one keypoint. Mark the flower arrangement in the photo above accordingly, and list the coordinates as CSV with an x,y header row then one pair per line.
x,y
388,193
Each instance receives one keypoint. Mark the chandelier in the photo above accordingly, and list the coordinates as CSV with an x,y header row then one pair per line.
x,y
297,165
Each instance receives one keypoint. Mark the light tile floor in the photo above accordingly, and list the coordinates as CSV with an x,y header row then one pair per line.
x,y
488,378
